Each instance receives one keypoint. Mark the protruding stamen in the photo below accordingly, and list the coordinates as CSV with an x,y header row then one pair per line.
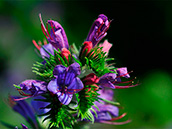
x,y
19,99
119,117
115,123
124,81
51,24
43,27
23,94
99,28
36,45
124,87
48,32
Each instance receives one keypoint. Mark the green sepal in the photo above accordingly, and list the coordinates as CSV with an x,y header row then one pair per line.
x,y
110,102
59,115
77,61
16,86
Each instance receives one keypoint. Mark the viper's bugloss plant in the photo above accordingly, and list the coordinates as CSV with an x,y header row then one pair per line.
x,y
73,85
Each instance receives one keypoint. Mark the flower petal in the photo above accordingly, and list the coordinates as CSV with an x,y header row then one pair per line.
x,y
58,34
75,86
106,94
98,29
38,105
106,46
123,72
23,108
59,72
73,71
64,98
33,87
53,86
49,49
103,116
107,79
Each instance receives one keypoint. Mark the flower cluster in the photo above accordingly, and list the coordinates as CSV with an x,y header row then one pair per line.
x,y
73,85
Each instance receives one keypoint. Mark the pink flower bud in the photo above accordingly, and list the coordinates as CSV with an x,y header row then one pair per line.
x,y
106,46
65,53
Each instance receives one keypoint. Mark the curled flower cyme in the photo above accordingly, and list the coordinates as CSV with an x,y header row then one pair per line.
x,y
66,82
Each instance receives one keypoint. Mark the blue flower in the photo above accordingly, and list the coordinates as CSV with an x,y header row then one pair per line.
x,y
66,82
23,108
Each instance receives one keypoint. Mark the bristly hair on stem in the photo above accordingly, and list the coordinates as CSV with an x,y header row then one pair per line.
x,y
59,115
45,70
86,99
97,60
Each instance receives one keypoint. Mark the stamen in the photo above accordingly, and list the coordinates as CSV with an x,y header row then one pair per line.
x,y
52,28
36,45
123,87
42,26
43,30
48,31
124,81
99,28
119,117
22,98
115,123
104,31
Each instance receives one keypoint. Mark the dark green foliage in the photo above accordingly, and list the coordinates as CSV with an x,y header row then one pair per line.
x,y
96,59
86,99
45,70
59,114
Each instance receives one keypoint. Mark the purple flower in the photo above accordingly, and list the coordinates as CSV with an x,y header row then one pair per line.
x,y
108,113
66,82
32,88
122,72
106,110
107,80
38,106
98,29
49,49
57,36
23,108
111,80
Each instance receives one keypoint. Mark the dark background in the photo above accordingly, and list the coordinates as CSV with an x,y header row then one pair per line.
x,y
141,33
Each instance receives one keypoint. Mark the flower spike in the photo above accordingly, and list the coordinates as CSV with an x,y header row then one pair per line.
x,y
73,85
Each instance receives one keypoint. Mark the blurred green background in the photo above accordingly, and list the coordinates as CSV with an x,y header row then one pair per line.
x,y
141,33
